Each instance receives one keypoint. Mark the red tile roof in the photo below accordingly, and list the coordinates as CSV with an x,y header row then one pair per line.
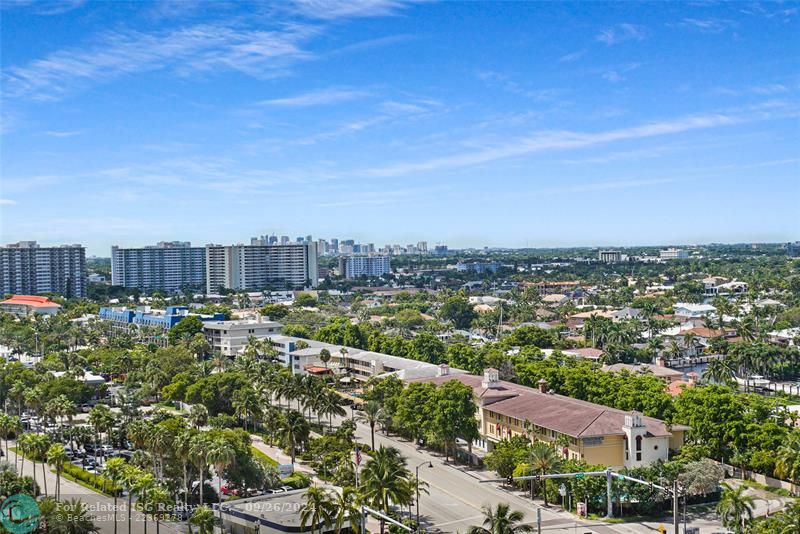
x,y
566,415
31,300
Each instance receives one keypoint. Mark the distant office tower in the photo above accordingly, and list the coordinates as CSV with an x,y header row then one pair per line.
x,y
793,249
422,247
357,266
610,256
440,250
284,240
334,246
169,266
273,240
257,267
674,254
28,269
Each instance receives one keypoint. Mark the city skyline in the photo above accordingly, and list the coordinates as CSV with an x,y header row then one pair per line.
x,y
523,125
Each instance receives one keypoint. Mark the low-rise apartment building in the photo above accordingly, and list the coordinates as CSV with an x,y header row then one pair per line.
x,y
147,323
230,337
674,254
585,431
349,363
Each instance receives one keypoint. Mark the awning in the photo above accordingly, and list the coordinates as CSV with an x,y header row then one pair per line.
x,y
316,370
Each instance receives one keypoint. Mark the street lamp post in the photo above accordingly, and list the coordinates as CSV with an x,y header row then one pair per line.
x,y
430,465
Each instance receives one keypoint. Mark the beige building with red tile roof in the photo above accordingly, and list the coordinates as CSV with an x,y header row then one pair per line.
x,y
584,430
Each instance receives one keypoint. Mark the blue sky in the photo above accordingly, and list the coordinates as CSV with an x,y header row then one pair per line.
x,y
474,124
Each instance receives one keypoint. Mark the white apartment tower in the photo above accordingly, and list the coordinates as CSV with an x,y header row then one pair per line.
x,y
357,266
167,266
28,269
256,267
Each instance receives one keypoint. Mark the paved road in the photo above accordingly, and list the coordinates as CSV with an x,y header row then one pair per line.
x,y
456,497
100,506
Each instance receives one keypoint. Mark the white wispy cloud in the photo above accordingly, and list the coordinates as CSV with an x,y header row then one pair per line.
x,y
198,48
602,186
336,9
44,7
767,89
621,33
617,74
556,140
708,25
497,79
7,202
320,97
62,134
573,56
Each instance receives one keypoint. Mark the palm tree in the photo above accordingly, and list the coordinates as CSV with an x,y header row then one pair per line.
x,y
129,477
57,457
346,505
371,414
295,430
142,487
246,404
183,453
221,454
655,345
68,517
198,415
157,505
325,357
203,519
318,509
789,520
201,445
385,481
735,508
544,460
330,405
501,520
719,371
114,471
788,459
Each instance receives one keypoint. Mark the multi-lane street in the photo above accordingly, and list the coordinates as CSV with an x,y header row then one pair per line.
x,y
456,496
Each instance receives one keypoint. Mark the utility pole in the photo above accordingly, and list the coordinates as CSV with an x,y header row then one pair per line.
x,y
675,513
609,499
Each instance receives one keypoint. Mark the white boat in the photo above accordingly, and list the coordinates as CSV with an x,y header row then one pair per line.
x,y
755,381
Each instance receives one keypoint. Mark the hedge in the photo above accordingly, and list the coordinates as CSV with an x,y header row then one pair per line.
x,y
98,482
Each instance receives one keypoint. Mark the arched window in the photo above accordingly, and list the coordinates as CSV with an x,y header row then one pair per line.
x,y
638,448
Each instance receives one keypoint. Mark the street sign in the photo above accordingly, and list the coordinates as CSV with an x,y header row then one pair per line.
x,y
620,477
562,490
578,475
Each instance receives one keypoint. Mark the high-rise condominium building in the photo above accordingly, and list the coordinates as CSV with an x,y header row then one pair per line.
x,y
168,266
28,269
356,266
256,267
